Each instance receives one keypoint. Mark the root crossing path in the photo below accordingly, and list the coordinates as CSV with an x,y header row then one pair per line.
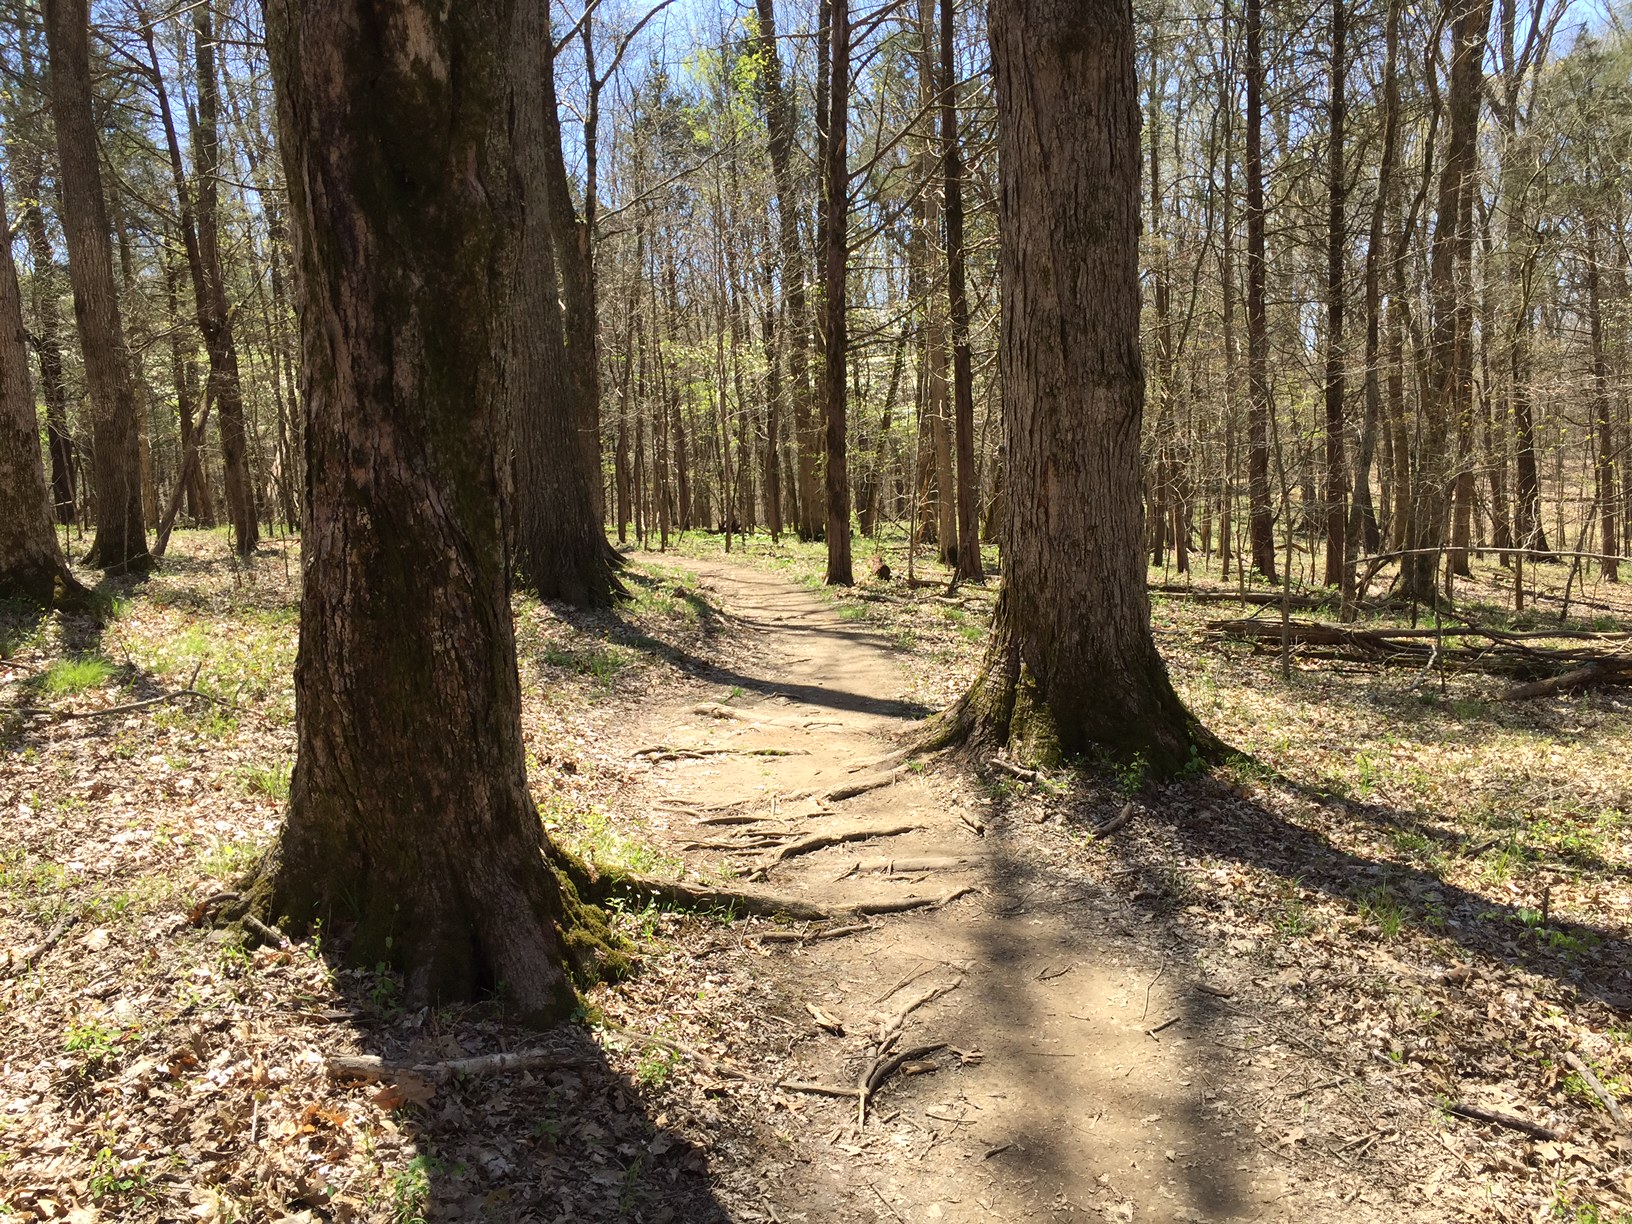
x,y
1037,1049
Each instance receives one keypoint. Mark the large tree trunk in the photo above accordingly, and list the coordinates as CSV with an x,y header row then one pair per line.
x,y
1451,348
575,266
409,813
1362,525
836,252
1602,421
963,376
209,280
120,545
1260,518
28,164
560,542
31,564
795,312
1072,668
1337,571
561,538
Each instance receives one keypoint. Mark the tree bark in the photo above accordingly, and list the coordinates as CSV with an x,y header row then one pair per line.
x,y
28,164
561,547
1072,667
409,813
120,544
210,288
779,124
1362,525
1260,517
1602,422
31,563
1337,571
963,376
1451,352
836,212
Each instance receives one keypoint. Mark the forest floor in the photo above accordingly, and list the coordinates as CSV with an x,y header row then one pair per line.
x,y
1254,1000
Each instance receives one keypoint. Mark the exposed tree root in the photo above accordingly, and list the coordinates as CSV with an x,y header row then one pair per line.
x,y
819,841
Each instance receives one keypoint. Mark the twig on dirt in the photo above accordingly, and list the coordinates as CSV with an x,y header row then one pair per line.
x,y
1148,988
372,1068
131,706
1114,823
832,1090
1605,1097
1165,1024
52,938
801,937
1524,1126
890,1025
886,1203
1016,771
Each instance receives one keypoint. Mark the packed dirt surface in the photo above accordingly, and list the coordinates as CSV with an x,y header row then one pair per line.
x,y
1065,1057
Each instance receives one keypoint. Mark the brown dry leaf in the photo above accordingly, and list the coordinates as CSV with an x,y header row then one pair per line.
x,y
404,1090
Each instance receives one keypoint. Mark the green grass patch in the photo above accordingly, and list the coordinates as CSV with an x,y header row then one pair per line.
x,y
77,675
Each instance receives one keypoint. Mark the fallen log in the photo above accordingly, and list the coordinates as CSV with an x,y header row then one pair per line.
x,y
1499,652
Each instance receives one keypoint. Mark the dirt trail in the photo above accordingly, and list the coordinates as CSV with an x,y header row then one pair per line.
x,y
1054,1096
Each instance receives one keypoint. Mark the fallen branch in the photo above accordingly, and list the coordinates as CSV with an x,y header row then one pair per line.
x,y
852,928
1523,1125
1605,1098
1114,823
905,905
1504,653
31,957
372,1069
130,706
1606,671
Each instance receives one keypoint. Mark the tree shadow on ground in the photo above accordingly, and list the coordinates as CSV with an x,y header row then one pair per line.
x,y
1207,819
572,1143
1039,915
614,626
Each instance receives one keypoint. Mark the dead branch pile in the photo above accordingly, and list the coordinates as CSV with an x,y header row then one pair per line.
x,y
1601,659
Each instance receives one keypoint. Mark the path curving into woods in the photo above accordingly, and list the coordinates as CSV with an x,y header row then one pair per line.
x,y
1070,1058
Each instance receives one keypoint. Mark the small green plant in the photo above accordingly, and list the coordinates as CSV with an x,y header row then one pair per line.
x,y
656,1064
115,1178
1292,919
1130,775
271,780
93,1040
227,860
1381,908
852,612
77,674
411,1191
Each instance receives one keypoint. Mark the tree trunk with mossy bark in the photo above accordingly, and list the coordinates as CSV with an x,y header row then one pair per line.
x,y
410,823
1072,669
31,564
120,545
